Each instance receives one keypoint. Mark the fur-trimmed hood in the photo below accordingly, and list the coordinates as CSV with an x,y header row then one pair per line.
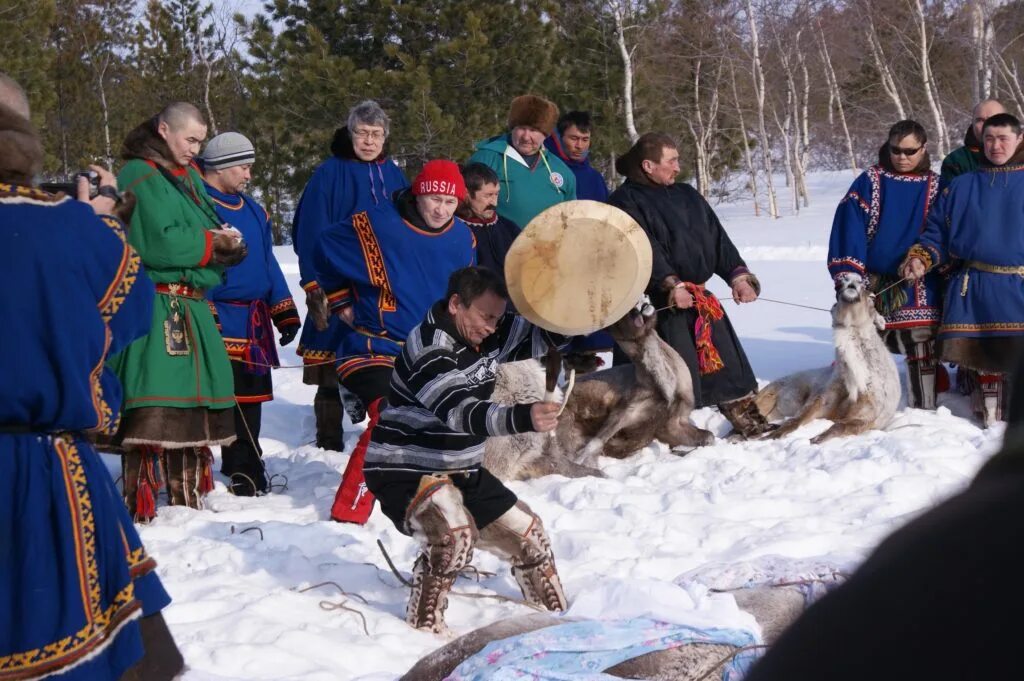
x,y
21,150
145,143
341,147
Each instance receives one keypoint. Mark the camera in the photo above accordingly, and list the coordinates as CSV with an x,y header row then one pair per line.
x,y
71,188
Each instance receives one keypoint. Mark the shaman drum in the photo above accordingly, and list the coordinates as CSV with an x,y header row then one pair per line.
x,y
578,267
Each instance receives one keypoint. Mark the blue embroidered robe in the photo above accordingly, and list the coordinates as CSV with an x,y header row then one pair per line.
x,y
257,278
979,217
881,216
391,271
338,188
74,577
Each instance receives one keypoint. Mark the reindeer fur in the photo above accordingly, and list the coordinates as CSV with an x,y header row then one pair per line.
x,y
615,412
774,608
860,392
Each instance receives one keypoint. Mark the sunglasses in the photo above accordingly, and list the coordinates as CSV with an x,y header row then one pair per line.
x,y
899,151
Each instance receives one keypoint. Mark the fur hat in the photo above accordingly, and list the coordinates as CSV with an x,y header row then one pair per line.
x,y
227,150
534,112
440,177
21,151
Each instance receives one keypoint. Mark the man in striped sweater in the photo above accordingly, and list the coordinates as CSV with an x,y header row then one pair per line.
x,y
424,460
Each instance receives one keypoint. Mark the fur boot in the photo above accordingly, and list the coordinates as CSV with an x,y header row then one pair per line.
x,y
988,399
746,419
139,466
443,526
327,410
519,537
188,475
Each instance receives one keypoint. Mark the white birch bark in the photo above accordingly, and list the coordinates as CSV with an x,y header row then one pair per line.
x,y
928,81
836,96
626,55
748,158
884,72
757,72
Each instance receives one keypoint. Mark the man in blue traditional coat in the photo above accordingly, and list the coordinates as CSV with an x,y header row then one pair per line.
x,y
253,297
383,268
358,176
79,597
880,217
977,229
571,143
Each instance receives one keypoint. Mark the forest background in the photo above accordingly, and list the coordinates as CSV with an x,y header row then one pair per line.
x,y
753,90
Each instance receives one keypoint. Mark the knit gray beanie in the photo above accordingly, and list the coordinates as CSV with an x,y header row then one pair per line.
x,y
228,149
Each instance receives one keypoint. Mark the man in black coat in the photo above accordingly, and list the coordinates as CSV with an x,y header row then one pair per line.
x,y
690,246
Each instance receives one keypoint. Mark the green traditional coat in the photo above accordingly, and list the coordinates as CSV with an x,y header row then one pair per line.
x,y
171,232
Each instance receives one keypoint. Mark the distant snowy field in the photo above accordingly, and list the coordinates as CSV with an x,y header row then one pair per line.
x,y
721,515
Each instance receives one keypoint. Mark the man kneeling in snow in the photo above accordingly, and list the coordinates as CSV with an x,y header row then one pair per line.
x,y
424,461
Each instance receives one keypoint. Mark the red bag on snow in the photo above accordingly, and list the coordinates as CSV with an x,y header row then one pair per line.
x,y
354,503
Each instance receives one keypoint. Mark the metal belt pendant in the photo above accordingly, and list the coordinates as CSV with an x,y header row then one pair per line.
x,y
175,337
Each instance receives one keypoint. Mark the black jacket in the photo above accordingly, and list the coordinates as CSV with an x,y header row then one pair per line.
x,y
493,239
687,239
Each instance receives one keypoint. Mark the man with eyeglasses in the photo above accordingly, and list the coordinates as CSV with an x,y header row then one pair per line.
x,y
530,177
878,219
968,157
358,176
977,229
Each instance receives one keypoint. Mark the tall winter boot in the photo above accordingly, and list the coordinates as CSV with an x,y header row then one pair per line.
x,y
745,417
139,467
519,537
327,410
988,397
921,370
429,597
189,476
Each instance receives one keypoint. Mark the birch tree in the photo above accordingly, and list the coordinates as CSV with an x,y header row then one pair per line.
x,y
757,74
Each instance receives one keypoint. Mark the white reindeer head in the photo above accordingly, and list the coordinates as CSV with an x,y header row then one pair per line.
x,y
855,303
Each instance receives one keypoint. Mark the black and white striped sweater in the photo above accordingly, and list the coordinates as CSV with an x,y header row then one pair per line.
x,y
439,411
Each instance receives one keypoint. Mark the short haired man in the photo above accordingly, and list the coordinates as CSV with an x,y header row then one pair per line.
x,y
494,233
358,176
531,178
424,462
571,143
382,269
79,596
967,158
254,295
977,225
178,388
689,246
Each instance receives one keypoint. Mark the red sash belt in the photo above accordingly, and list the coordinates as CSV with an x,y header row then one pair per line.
x,y
709,310
181,290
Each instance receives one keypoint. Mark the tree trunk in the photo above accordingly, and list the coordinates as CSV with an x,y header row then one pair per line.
x,y
837,96
627,72
105,111
747,156
758,76
884,72
928,81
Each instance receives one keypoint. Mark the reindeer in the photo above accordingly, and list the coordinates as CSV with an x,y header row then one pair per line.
x,y
859,392
615,412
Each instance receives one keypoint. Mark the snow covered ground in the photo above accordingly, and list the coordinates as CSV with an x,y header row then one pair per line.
x,y
722,515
